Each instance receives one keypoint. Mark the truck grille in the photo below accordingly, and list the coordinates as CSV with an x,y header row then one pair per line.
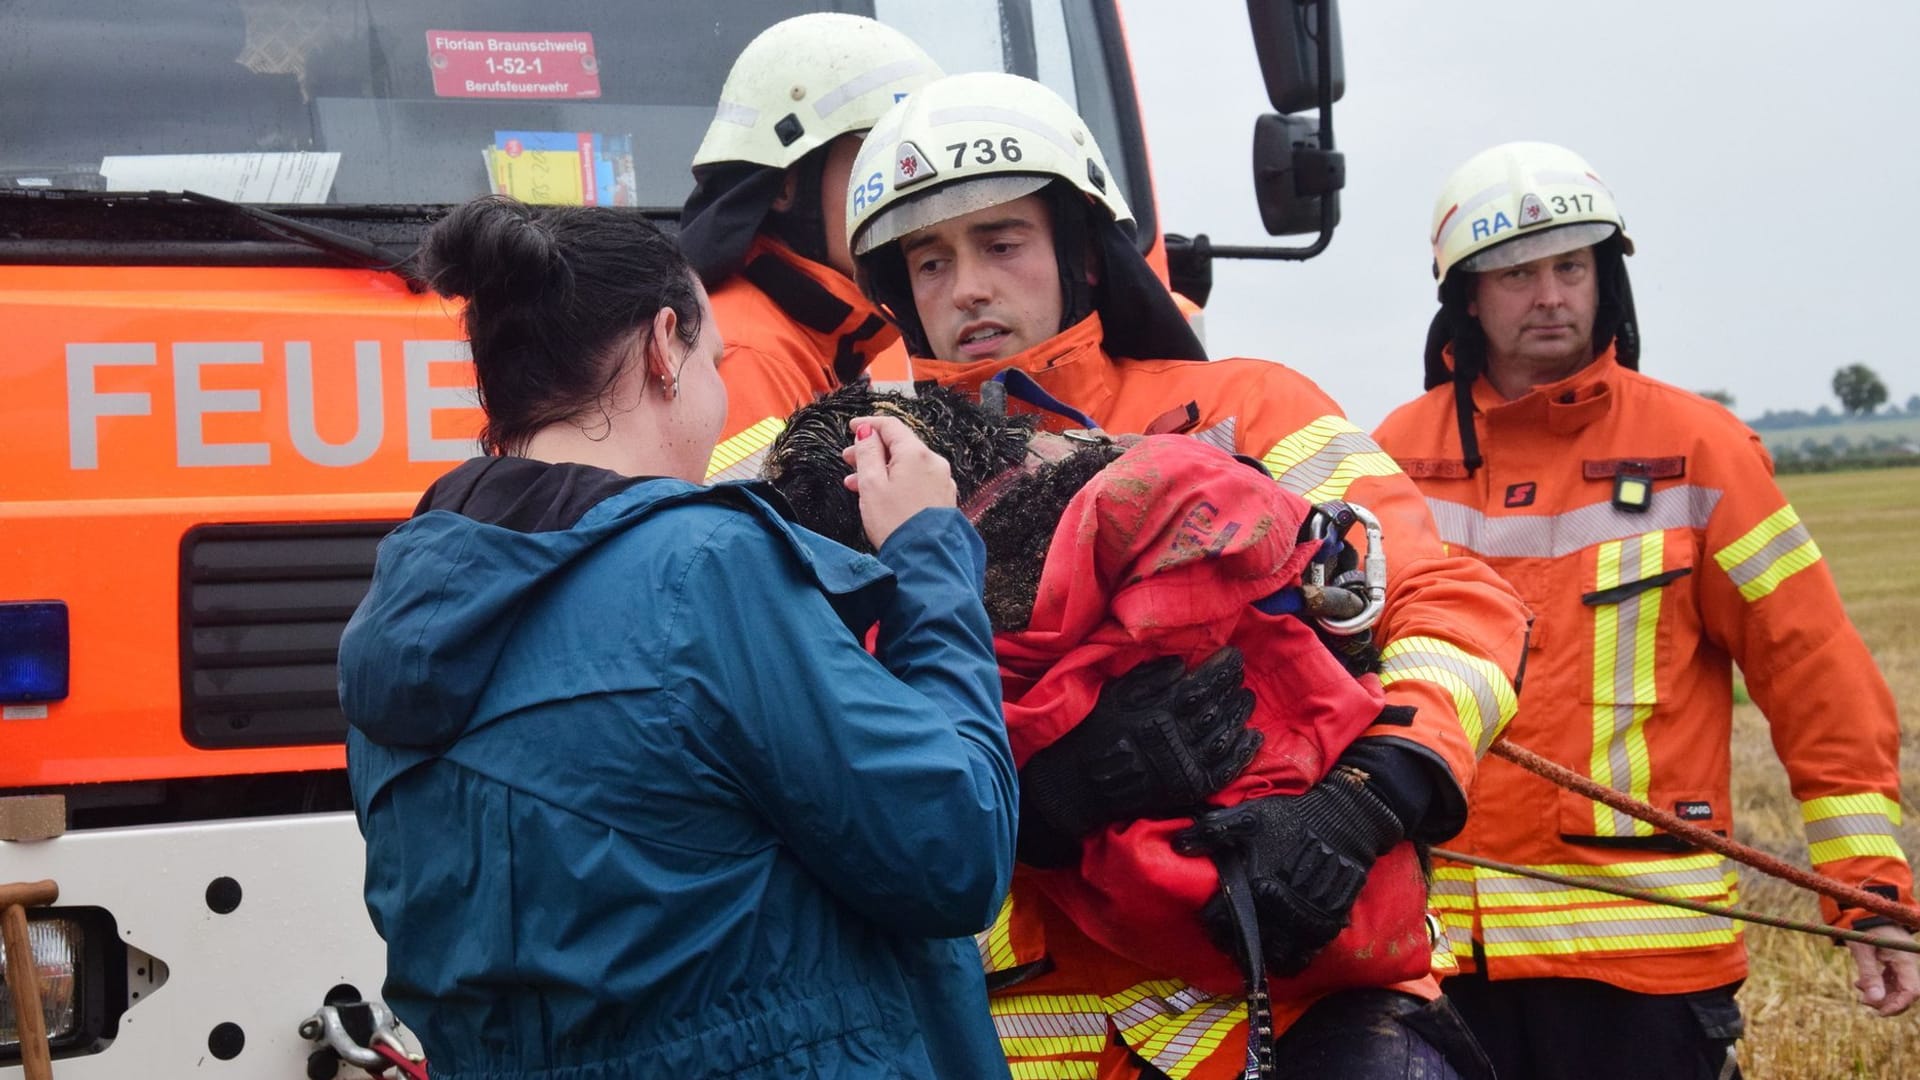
x,y
262,608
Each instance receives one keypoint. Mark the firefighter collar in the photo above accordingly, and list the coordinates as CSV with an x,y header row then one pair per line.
x,y
1070,365
816,297
1562,407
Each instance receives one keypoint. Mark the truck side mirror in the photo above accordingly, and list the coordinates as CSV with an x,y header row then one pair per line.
x,y
1296,179
1286,37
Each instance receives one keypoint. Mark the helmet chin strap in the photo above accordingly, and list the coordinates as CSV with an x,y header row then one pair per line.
x,y
1614,324
802,226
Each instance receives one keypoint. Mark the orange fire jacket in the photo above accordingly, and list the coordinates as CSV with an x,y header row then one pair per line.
x,y
1642,525
794,329
1453,633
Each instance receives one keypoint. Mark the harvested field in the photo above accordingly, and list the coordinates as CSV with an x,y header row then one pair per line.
x,y
1802,1019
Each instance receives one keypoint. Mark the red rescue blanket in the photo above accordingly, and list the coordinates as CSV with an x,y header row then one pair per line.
x,y
1164,553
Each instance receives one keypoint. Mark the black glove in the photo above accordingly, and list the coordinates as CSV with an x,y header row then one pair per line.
x,y
1159,741
1306,857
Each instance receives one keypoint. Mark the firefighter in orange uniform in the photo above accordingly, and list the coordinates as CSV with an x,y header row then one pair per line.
x,y
763,225
983,217
1642,525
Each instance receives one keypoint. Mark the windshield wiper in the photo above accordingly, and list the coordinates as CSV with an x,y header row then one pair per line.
x,y
351,250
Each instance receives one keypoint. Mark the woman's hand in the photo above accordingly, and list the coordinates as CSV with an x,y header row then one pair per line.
x,y
894,474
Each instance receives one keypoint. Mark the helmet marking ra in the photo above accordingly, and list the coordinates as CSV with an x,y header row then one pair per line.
x,y
1518,202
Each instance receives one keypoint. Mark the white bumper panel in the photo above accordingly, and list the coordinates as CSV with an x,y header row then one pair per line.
x,y
300,929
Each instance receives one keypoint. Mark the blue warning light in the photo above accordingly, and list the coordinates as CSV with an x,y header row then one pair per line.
x,y
33,651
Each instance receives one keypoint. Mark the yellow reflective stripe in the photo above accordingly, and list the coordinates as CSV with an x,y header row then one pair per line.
x,y
738,449
1855,847
1483,698
1757,537
1829,806
1701,877
1055,1070
1459,926
1852,826
1172,1025
1045,1025
1351,468
1625,639
1307,442
1630,927
1770,552
1321,460
996,942
1781,569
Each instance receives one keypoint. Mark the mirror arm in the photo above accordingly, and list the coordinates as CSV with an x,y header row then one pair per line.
x,y
1324,47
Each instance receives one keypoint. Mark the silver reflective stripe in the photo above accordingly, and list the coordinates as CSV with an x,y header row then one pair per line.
x,y
1191,1033
1173,1004
1009,117
1554,176
1758,563
1838,828
858,86
747,468
1319,467
1220,436
1507,887
1617,761
1553,536
1626,646
732,112
1472,677
1688,923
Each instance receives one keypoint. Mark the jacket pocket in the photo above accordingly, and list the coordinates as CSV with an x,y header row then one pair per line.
x,y
1636,591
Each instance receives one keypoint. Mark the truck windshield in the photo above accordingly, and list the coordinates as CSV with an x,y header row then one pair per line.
x,y
382,102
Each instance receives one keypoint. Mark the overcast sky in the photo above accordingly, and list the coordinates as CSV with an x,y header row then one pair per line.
x,y
1764,154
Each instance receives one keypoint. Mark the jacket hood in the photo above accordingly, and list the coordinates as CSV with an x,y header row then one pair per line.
x,y
448,586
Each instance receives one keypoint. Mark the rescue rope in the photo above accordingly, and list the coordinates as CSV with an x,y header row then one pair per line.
x,y
1840,892
408,1067
1652,897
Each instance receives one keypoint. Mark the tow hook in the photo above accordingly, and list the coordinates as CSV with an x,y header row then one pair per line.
x,y
363,1034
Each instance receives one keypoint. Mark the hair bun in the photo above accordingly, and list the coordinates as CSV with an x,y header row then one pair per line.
x,y
493,247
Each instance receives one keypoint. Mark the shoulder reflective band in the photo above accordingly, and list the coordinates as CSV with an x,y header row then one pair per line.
x,y
1769,553
34,650
1320,461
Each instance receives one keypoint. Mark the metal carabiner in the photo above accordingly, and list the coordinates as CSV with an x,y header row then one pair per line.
x,y
1326,524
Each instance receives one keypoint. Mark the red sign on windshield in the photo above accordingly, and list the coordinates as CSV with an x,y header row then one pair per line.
x,y
474,63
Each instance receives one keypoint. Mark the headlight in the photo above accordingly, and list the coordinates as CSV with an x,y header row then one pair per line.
x,y
58,945
82,968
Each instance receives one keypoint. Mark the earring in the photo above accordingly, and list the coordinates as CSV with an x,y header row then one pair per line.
x,y
670,389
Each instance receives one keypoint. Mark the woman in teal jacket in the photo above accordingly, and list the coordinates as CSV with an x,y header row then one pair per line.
x,y
637,801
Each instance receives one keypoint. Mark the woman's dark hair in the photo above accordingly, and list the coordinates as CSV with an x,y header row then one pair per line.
x,y
552,294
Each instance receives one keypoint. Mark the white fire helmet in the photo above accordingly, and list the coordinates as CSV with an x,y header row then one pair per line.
x,y
1518,202
806,81
965,143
